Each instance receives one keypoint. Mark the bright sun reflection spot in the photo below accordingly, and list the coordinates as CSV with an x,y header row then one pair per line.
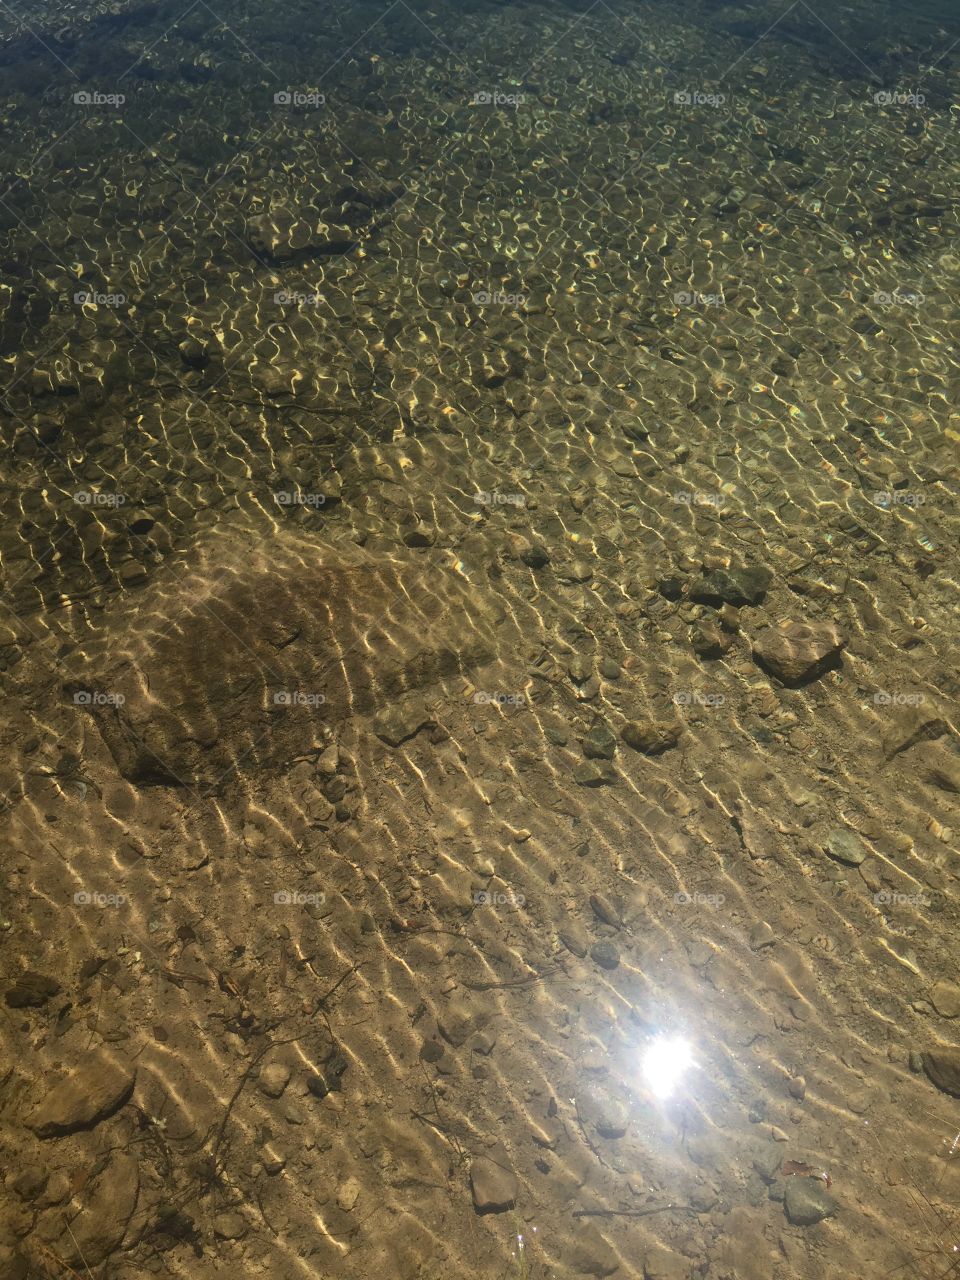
x,y
664,1063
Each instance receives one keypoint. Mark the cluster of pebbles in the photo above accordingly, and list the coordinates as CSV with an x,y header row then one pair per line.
x,y
480,513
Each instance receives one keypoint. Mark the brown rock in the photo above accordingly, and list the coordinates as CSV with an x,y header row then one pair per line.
x,y
31,990
910,725
943,1068
109,1205
493,1182
431,1051
651,736
807,1202
460,1019
606,911
273,1158
945,998
661,1264
941,767
604,1108
761,935
283,237
574,940
274,1078
59,1188
92,1091
709,641
401,720
591,1255
229,1225
798,652
730,618
348,1193
30,1182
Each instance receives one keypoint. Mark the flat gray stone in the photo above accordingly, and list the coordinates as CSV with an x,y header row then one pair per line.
x,y
731,586
273,1157
806,1201
604,1109
592,774
661,1263
580,668
605,954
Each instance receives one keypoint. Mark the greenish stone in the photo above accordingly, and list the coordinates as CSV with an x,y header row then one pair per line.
x,y
845,847
599,743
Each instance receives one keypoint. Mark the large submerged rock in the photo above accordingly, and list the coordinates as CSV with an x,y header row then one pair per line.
x,y
95,1089
797,652
346,218
236,661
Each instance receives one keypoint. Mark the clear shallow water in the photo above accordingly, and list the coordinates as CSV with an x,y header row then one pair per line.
x,y
384,391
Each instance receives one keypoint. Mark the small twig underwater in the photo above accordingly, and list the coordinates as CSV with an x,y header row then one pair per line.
x,y
634,1213
78,1249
